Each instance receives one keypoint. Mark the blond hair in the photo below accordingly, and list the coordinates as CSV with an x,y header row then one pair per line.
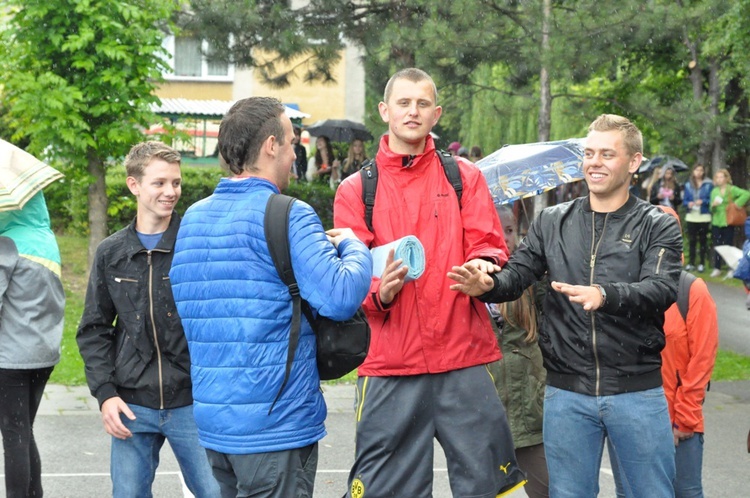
x,y
630,133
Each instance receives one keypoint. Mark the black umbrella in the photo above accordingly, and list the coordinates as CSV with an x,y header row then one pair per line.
x,y
648,165
339,130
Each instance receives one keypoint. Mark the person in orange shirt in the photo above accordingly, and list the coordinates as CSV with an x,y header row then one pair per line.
x,y
687,362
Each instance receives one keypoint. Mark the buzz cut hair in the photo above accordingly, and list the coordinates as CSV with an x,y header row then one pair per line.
x,y
412,74
142,154
630,133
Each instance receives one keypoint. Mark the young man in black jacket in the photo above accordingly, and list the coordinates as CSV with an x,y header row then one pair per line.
x,y
131,339
614,262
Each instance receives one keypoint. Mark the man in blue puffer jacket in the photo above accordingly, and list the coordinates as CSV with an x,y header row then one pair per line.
x,y
237,312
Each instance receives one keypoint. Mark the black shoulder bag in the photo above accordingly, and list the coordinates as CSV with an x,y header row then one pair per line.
x,y
341,346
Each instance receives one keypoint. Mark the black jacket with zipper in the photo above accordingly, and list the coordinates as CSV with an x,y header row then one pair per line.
x,y
130,335
635,255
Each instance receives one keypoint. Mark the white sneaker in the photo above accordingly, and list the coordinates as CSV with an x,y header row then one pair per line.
x,y
730,274
700,268
715,273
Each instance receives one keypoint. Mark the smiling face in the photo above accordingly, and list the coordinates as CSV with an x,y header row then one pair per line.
x,y
157,192
411,112
607,167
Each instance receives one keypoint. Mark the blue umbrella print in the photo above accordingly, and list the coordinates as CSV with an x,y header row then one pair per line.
x,y
518,171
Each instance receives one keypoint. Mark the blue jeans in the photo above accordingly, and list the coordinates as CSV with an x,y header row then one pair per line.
x,y
637,428
689,462
134,460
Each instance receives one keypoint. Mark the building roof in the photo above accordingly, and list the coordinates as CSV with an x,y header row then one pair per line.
x,y
207,108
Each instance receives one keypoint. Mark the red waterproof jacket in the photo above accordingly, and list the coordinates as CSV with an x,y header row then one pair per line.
x,y
428,328
689,356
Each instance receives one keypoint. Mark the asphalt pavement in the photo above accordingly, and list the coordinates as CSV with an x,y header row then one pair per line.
x,y
75,449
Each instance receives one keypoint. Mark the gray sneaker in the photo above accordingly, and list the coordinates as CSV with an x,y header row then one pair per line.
x,y
689,268
701,269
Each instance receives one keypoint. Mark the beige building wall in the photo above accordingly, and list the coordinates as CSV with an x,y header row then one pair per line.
x,y
195,90
343,99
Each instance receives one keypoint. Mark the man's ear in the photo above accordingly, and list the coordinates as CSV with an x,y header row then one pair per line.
x,y
383,109
635,163
133,185
270,146
438,113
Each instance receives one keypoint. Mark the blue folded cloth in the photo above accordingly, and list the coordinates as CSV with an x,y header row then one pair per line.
x,y
408,248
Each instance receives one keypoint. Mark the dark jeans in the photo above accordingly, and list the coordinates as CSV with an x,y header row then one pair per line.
x,y
532,461
20,394
698,236
723,236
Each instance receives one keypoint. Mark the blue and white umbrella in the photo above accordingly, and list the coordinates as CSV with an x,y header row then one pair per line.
x,y
525,170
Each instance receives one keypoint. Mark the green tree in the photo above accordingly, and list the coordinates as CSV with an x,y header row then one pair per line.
x,y
78,78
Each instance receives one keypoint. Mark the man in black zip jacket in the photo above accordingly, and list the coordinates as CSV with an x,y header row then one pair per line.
x,y
131,338
614,262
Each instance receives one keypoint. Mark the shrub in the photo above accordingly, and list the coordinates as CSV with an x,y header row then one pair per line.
x,y
67,199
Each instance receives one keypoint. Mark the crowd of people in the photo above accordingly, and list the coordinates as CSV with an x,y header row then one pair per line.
x,y
523,360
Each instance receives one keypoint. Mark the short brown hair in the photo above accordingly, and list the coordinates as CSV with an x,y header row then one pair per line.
x,y
142,154
412,74
630,133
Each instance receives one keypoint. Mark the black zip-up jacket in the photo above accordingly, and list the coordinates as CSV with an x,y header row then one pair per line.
x,y
634,254
130,335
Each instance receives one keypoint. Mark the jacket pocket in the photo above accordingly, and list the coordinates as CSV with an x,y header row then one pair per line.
x,y
125,292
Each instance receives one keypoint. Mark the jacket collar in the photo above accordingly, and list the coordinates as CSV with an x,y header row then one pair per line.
x,y
133,244
632,200
388,159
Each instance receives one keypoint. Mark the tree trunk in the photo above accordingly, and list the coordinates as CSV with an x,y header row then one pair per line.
x,y
718,159
545,96
97,204
703,155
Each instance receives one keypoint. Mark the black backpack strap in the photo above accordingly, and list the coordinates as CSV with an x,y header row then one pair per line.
x,y
276,228
683,293
369,175
450,166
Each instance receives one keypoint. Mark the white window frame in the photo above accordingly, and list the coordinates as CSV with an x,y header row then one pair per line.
x,y
169,46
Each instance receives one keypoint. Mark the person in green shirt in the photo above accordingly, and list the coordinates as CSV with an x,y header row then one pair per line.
x,y
721,195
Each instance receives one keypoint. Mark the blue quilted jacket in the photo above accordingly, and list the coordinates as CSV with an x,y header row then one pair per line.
x,y
236,313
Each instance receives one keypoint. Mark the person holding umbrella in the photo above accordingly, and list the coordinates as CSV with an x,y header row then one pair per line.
x,y
32,306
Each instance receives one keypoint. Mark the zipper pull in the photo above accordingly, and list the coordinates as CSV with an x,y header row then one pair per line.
x,y
593,260
148,258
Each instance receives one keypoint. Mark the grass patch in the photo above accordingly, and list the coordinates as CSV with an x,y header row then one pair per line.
x,y
731,366
73,251
70,371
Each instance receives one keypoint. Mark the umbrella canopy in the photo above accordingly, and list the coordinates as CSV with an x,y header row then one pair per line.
x,y
648,165
21,176
518,171
339,130
730,254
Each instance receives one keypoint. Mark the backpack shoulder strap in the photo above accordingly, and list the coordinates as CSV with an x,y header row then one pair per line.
x,y
683,293
369,175
276,229
450,166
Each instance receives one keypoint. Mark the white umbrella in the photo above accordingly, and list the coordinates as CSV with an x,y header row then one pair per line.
x,y
21,176
730,254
